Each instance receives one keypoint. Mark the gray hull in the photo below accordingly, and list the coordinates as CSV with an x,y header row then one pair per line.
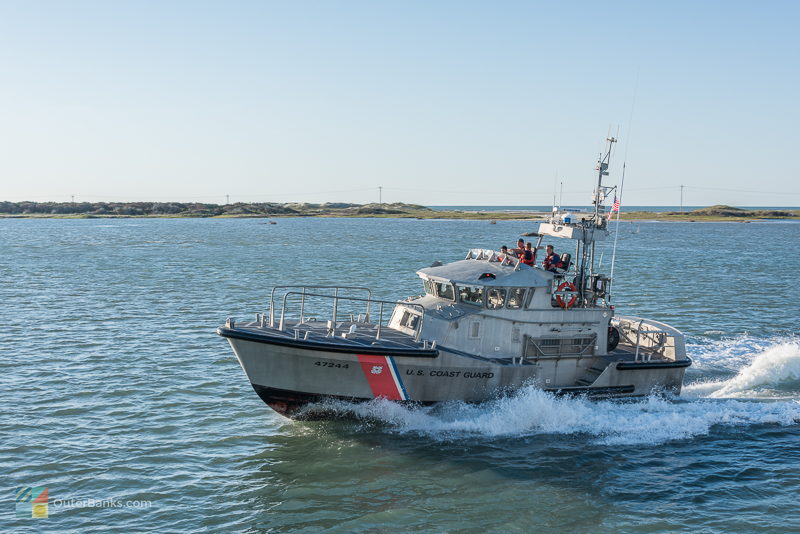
x,y
289,374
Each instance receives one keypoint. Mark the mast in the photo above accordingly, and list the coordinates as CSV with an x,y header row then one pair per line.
x,y
585,232
602,170
588,242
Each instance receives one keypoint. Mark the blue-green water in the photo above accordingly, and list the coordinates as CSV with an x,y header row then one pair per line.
x,y
114,386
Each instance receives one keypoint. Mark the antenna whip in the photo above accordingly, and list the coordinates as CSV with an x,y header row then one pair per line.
x,y
616,234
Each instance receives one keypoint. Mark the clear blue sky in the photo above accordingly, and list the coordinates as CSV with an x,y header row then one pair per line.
x,y
439,102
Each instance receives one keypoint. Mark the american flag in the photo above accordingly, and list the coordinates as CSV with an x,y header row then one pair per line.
x,y
614,207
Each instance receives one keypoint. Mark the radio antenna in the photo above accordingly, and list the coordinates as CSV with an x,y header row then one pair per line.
x,y
616,235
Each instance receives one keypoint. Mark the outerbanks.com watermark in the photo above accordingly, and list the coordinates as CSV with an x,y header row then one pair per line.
x,y
97,503
35,502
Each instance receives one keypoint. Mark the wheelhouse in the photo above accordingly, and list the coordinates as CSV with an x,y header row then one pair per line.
x,y
486,280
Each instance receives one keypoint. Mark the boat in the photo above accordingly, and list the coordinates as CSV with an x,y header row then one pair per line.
x,y
486,326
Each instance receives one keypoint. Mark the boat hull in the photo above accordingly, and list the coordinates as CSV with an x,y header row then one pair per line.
x,y
289,376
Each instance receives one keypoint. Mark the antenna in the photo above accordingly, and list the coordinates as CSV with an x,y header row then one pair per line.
x,y
622,185
561,197
616,234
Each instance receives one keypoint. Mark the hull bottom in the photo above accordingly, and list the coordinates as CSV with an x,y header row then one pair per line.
x,y
292,404
283,401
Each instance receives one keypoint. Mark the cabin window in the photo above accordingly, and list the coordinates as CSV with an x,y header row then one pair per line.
x,y
409,320
472,295
444,290
516,297
428,287
529,298
495,298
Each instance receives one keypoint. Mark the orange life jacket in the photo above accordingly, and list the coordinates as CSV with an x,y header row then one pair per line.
x,y
528,258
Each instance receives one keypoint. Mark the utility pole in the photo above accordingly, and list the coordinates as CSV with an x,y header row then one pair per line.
x,y
380,195
682,186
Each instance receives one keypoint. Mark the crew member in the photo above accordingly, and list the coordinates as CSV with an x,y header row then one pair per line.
x,y
529,255
520,250
552,261
503,253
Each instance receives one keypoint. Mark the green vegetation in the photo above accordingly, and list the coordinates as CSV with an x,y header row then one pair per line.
x,y
712,213
397,209
240,209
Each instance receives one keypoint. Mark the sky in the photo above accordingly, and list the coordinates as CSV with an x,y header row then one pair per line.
x,y
437,102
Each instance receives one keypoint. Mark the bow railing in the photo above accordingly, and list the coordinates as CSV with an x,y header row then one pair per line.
x,y
295,305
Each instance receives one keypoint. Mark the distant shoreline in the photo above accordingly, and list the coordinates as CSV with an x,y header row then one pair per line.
x,y
92,210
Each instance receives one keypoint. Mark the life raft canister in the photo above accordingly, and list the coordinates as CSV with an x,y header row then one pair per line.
x,y
561,302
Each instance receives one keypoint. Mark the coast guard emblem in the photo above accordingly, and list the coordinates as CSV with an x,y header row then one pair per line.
x,y
382,376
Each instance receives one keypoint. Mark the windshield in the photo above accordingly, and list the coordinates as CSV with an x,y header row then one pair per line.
x,y
444,290
495,297
471,295
516,296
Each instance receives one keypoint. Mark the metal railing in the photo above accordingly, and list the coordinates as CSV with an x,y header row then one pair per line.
x,y
334,314
647,338
304,289
493,255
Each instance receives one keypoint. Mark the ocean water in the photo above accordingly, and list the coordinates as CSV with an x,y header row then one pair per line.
x,y
119,398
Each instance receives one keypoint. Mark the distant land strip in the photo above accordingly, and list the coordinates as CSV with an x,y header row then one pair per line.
x,y
88,210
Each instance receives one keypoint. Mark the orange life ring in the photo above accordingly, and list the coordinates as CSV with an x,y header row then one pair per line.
x,y
561,302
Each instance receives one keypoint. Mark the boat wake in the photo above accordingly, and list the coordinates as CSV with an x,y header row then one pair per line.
x,y
773,372
532,411
745,399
